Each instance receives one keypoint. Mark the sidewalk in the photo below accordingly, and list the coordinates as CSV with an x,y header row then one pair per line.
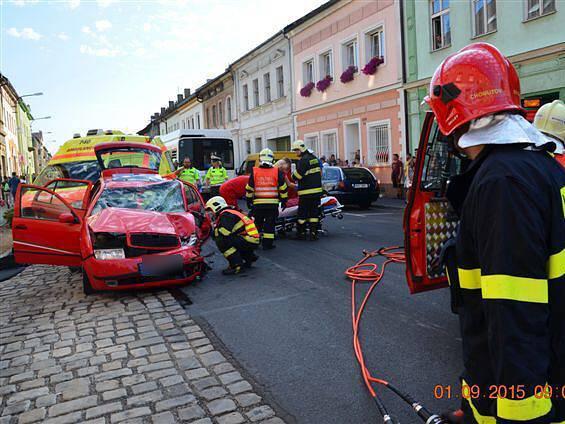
x,y
111,358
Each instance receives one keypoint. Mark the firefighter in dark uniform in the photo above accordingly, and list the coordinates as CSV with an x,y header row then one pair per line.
x,y
265,189
308,174
235,235
507,269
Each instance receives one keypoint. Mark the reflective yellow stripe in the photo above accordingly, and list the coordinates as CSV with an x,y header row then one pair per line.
x,y
265,201
230,252
314,161
522,409
237,226
556,265
284,195
310,191
283,187
224,231
313,171
481,419
514,288
249,195
253,240
249,188
301,221
313,220
297,175
268,235
469,278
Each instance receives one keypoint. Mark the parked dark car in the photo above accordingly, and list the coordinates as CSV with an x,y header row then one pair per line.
x,y
351,186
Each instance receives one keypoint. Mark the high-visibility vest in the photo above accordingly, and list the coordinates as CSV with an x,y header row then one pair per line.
x,y
266,181
216,175
245,227
190,175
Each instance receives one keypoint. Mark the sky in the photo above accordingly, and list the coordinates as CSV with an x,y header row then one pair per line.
x,y
113,63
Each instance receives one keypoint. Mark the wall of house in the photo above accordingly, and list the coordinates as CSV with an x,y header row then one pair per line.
x,y
220,100
183,117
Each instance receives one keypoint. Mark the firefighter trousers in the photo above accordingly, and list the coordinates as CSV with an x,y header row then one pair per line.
x,y
265,219
236,250
308,213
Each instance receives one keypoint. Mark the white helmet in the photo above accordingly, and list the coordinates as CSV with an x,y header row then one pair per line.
x,y
216,204
266,157
299,145
550,119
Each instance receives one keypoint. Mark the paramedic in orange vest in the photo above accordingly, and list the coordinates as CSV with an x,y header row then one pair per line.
x,y
234,189
266,187
235,235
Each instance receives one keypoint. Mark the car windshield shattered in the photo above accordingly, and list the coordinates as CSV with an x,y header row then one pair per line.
x,y
160,197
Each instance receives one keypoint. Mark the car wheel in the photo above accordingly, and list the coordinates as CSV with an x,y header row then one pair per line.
x,y
86,286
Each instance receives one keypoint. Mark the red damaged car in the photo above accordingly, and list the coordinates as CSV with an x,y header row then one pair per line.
x,y
131,228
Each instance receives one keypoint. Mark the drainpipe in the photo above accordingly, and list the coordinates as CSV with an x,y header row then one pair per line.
x,y
404,94
291,91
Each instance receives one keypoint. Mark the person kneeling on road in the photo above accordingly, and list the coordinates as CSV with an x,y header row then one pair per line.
x,y
235,235
266,187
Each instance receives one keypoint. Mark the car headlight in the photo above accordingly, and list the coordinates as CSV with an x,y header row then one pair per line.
x,y
104,254
189,241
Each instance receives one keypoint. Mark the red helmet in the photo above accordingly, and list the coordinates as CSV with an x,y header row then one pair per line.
x,y
476,81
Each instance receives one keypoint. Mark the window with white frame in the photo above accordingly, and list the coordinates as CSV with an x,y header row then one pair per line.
x,y
245,97
220,114
280,82
375,43
198,121
214,119
441,24
258,144
379,143
349,54
267,86
311,142
326,65
248,147
228,109
536,8
255,93
484,16
308,71
329,145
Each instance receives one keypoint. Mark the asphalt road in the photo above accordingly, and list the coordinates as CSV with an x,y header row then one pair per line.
x,y
288,323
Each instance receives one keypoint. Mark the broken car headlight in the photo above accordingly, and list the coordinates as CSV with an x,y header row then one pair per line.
x,y
189,241
104,254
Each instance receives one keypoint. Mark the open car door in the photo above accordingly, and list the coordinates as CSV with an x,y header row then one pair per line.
x,y
46,227
195,205
429,220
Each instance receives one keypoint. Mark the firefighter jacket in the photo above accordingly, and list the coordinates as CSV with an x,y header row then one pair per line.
x,y
266,187
190,175
231,223
508,276
308,174
216,175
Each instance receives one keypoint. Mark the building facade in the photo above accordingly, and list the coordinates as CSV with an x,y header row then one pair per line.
x,y
529,32
10,152
263,97
41,155
25,141
347,78
220,108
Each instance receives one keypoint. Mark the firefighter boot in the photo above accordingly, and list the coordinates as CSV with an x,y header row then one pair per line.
x,y
301,231
249,258
232,270
313,231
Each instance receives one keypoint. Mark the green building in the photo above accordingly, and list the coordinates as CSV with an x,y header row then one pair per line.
x,y
25,140
529,32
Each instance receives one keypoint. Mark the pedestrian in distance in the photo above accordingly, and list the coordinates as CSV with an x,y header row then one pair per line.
x,y
507,268
13,184
265,190
308,175
408,174
333,161
188,172
396,175
235,234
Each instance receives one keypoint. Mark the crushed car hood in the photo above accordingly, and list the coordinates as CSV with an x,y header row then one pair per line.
x,y
120,220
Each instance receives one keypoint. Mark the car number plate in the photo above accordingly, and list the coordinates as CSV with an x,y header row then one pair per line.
x,y
360,185
159,266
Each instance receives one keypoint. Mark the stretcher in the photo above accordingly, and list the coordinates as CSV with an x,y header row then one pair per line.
x,y
329,206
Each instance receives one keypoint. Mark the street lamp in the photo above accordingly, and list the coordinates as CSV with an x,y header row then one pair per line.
x,y
43,117
32,94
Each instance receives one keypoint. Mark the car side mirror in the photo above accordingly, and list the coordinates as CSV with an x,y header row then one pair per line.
x,y
67,218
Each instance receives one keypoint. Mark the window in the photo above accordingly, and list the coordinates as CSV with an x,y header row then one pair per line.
x,y
349,54
248,146
258,144
214,121
535,8
228,109
255,92
207,118
245,97
484,16
198,120
280,82
375,44
192,122
329,145
441,25
220,114
267,85
311,142
326,66
379,143
308,72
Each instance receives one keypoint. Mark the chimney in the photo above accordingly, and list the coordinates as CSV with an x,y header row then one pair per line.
x,y
186,93
171,104
163,111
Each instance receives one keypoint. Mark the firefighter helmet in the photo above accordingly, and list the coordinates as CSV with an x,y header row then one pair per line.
x,y
216,204
550,119
299,145
266,157
476,81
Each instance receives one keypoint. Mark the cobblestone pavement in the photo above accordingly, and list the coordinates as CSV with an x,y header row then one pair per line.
x,y
111,358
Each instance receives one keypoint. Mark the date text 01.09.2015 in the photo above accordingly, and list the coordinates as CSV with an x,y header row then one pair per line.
x,y
516,392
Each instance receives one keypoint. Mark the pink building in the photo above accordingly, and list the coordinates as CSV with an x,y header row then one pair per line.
x,y
357,117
